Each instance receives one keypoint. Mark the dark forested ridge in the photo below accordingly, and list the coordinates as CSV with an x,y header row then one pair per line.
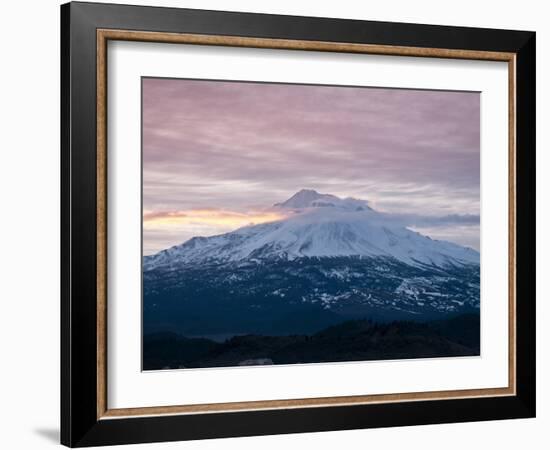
x,y
353,340
280,297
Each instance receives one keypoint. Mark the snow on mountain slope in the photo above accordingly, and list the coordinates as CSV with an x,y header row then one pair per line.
x,y
319,225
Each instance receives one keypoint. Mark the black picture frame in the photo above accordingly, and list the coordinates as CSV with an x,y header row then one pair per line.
x,y
80,425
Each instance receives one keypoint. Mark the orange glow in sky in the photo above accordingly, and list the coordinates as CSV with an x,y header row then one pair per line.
x,y
211,217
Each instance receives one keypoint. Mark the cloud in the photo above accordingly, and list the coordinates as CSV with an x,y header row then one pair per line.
x,y
208,216
416,220
151,216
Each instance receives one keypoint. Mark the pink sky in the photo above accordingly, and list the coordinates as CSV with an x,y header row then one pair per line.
x,y
217,154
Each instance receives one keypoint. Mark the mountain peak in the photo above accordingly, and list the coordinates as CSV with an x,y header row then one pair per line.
x,y
304,198
310,198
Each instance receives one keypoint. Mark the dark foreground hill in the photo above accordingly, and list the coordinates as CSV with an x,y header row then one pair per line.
x,y
355,340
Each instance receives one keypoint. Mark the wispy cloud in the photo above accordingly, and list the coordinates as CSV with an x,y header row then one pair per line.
x,y
210,216
417,220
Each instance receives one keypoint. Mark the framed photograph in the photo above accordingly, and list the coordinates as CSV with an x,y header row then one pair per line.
x,y
277,224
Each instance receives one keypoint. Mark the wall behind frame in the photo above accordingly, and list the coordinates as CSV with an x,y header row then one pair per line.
x,y
29,196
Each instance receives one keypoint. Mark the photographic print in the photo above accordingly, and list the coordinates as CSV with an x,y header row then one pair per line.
x,y
298,224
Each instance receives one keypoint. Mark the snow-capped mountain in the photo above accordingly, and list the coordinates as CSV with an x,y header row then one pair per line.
x,y
318,226
326,260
